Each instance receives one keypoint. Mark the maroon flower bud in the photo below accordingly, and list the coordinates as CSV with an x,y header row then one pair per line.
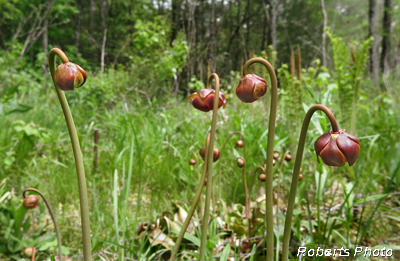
x,y
251,88
335,148
202,153
240,162
203,100
69,76
288,157
262,177
300,176
239,144
275,155
192,162
31,201
205,182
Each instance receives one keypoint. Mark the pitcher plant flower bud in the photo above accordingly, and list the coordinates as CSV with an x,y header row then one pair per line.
x,y
31,201
335,148
202,153
288,157
262,177
28,252
275,155
239,144
69,76
203,100
240,162
300,176
251,88
192,162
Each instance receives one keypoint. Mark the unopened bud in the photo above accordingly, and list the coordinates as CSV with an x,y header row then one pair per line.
x,y
31,201
262,177
192,162
239,144
240,162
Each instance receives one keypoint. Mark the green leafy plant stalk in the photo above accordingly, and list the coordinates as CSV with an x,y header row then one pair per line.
x,y
210,163
80,170
194,204
296,172
270,151
53,218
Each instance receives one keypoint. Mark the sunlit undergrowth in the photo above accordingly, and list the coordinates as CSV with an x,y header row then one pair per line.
x,y
163,132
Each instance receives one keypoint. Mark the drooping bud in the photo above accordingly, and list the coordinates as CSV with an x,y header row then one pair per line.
x,y
275,155
69,76
192,162
239,144
273,162
262,177
288,157
251,88
202,153
28,252
335,148
203,100
31,201
240,162
300,176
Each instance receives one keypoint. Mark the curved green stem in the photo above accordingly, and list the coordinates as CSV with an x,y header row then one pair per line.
x,y
80,171
53,218
220,155
252,182
198,175
246,194
296,171
194,204
204,227
270,151
278,190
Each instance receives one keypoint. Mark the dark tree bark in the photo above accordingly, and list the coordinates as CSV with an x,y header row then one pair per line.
x,y
374,58
78,27
176,25
387,20
213,28
324,33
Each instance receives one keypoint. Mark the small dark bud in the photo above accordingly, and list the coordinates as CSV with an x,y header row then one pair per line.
x,y
288,157
262,177
202,153
192,162
275,156
31,201
239,144
300,176
240,162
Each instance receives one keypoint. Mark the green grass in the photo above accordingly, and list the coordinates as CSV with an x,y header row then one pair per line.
x,y
146,143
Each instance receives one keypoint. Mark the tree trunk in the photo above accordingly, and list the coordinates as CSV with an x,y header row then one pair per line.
x,y
212,36
324,33
78,27
374,60
103,9
45,41
387,20
176,6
